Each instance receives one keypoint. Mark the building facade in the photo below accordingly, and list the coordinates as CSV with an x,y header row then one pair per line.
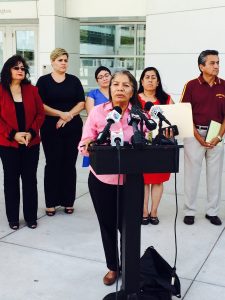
x,y
124,34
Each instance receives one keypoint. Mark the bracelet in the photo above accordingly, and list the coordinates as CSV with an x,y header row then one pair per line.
x,y
219,137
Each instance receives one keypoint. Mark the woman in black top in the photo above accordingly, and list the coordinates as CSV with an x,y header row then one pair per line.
x,y
63,98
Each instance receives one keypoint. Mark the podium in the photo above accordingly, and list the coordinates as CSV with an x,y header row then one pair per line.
x,y
133,163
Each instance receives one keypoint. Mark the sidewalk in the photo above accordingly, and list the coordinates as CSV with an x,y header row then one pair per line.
x,y
63,258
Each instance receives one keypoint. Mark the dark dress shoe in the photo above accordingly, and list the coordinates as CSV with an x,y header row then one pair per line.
x,y
145,220
110,278
68,211
214,220
189,220
50,213
153,220
32,225
14,225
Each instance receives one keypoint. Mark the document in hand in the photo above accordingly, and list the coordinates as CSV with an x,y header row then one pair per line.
x,y
213,131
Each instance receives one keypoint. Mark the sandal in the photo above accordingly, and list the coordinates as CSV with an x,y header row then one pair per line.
x,y
32,225
50,213
68,211
154,220
14,225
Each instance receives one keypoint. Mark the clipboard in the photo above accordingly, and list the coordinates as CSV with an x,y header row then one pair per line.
x,y
213,131
179,114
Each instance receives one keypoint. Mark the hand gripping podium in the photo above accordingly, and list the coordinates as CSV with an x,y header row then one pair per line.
x,y
133,163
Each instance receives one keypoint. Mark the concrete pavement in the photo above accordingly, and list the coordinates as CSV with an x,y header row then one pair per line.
x,y
63,258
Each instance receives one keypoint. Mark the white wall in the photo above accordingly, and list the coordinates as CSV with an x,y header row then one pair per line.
x,y
105,8
177,31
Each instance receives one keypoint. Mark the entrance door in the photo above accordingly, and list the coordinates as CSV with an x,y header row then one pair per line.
x,y
20,40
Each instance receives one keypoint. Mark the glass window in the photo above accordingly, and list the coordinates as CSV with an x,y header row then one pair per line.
x,y
25,46
114,46
1,49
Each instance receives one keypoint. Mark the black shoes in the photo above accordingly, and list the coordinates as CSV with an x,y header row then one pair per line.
x,y
214,220
189,220
50,213
145,220
14,225
153,220
149,219
68,211
32,225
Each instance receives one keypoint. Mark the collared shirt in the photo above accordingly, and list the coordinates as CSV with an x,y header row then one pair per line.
x,y
95,123
208,102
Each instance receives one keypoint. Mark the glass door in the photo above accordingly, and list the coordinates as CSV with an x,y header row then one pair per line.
x,y
25,45
2,46
20,39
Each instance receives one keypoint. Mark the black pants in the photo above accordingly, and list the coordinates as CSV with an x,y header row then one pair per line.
x,y
20,162
60,170
104,199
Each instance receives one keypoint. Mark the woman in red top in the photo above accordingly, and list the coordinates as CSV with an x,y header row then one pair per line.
x,y
21,116
151,89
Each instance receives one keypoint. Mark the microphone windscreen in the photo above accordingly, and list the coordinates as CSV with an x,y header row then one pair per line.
x,y
118,109
155,110
148,105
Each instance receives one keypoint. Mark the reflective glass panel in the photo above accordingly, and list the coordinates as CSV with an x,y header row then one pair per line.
x,y
1,49
25,46
140,39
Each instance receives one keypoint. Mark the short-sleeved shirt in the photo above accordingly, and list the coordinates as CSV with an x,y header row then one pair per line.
x,y
98,97
208,102
62,96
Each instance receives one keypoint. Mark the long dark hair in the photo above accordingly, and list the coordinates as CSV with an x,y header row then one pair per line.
x,y
134,99
6,75
160,94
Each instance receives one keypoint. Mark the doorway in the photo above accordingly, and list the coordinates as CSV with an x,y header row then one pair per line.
x,y
17,39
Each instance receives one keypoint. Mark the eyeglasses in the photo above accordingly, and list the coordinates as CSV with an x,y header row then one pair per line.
x,y
19,68
107,75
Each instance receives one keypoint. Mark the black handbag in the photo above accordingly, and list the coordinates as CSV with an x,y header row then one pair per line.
x,y
159,280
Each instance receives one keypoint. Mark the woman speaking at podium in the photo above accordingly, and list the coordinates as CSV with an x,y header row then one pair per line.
x,y
103,188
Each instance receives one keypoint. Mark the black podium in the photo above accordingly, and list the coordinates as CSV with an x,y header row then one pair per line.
x,y
133,163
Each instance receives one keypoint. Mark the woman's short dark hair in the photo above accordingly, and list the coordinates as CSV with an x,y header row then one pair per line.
x,y
134,99
6,75
160,94
99,69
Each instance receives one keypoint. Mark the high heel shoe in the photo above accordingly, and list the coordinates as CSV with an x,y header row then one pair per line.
x,y
32,225
14,225
68,211
50,213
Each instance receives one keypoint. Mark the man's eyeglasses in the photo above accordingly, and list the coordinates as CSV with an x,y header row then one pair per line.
x,y
19,68
107,75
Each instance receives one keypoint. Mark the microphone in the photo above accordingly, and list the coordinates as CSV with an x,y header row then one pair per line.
x,y
117,138
148,105
137,139
112,117
149,123
158,113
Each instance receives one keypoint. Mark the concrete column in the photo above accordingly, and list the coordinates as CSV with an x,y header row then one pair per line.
x,y
56,30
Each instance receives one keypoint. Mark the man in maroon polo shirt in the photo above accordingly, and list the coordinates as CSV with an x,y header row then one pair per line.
x,y
207,97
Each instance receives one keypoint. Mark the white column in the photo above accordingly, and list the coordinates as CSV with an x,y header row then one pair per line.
x,y
56,30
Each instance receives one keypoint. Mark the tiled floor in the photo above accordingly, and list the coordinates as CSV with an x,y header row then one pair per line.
x,y
63,258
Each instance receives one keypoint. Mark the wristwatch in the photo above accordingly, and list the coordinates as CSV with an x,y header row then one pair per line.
x,y
219,137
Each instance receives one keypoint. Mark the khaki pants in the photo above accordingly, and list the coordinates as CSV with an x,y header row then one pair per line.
x,y
193,157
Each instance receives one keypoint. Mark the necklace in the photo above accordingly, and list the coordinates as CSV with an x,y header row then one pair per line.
x,y
150,98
